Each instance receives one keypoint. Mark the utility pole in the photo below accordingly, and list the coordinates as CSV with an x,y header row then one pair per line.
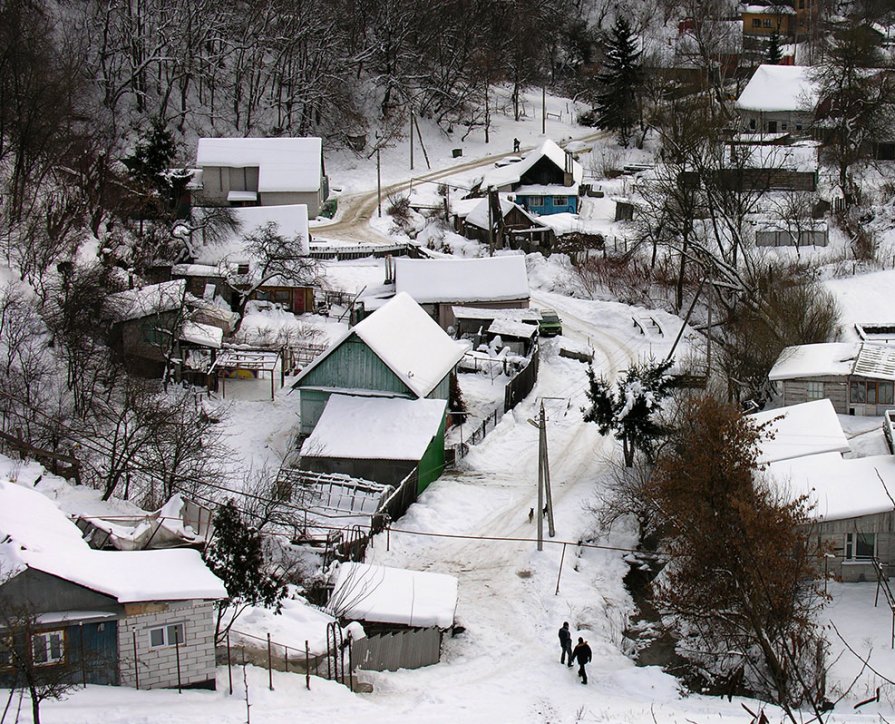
x,y
378,180
487,116
411,138
544,481
708,335
544,110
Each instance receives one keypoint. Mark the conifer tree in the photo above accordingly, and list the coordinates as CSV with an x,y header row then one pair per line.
x,y
775,51
620,82
236,556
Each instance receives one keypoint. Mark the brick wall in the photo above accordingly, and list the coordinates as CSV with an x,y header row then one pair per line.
x,y
158,666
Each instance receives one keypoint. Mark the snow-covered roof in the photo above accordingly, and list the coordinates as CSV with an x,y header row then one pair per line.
x,y
146,301
546,190
38,535
815,360
788,158
407,340
774,88
375,428
799,430
291,221
837,359
516,315
496,278
775,9
839,488
479,215
512,173
284,164
380,594
507,328
204,335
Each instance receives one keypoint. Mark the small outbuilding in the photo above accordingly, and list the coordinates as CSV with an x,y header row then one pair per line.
x,y
798,431
437,285
383,439
404,614
778,99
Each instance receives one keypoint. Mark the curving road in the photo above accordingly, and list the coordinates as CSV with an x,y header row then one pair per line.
x,y
356,210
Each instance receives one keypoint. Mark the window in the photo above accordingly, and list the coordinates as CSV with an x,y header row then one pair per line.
x,y
560,201
48,648
873,393
751,124
242,269
767,22
798,126
535,201
815,391
756,23
860,546
166,635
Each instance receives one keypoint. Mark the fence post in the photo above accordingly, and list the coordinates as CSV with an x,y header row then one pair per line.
x,y
307,666
269,664
81,654
136,662
229,665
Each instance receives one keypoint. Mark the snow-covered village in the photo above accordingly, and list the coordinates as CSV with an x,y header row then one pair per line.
x,y
447,360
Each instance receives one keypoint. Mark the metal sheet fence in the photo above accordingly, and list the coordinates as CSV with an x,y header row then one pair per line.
x,y
408,649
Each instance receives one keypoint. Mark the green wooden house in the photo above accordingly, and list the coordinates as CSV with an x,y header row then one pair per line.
x,y
385,439
398,351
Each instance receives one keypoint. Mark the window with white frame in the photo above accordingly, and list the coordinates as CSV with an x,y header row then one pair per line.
x,y
860,546
535,201
815,391
168,635
560,200
48,648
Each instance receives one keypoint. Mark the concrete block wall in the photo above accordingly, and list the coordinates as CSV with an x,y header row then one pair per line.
x,y
158,666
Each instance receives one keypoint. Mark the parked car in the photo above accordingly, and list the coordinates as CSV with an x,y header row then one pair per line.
x,y
550,324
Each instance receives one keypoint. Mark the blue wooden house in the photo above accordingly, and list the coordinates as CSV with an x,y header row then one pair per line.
x,y
129,618
398,351
546,181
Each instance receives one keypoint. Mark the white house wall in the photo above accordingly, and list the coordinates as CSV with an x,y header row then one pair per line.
x,y
158,666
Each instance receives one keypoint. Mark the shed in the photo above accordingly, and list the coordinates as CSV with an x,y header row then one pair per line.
x,y
398,351
403,613
857,377
261,172
854,515
520,229
475,320
521,338
803,232
498,282
107,617
383,439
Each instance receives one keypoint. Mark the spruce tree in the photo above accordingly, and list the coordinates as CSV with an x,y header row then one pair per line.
x,y
619,82
775,50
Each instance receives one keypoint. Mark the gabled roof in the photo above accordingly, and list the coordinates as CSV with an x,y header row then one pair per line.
x,y
489,279
284,164
407,340
779,88
36,534
146,301
799,430
513,173
375,428
479,215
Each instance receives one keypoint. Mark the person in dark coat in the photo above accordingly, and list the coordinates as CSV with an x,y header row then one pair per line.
x,y
582,655
565,641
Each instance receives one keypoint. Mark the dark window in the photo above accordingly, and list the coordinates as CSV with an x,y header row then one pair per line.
x,y
884,393
858,392
48,648
756,23
860,546
767,22
560,201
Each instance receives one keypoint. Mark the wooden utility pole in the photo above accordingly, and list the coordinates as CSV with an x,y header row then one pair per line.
x,y
544,110
378,181
544,481
487,116
411,138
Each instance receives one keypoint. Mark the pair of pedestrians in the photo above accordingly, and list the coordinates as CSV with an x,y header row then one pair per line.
x,y
581,653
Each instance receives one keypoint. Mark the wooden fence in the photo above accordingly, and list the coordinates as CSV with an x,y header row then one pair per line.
x,y
68,466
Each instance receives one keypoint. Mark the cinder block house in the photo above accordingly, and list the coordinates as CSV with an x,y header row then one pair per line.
x,y
139,618
398,351
261,172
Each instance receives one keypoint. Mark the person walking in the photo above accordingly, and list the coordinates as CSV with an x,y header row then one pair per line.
x,y
582,655
565,641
